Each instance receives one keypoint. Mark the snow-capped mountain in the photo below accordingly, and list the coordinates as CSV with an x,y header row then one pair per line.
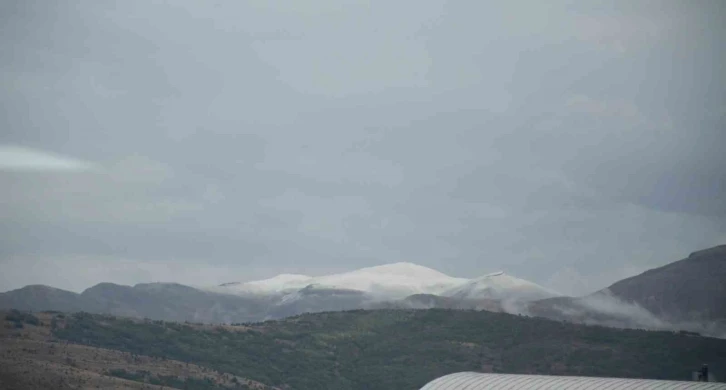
x,y
395,281
499,286
642,301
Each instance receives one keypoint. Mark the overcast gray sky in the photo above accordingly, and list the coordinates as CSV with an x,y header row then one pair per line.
x,y
571,143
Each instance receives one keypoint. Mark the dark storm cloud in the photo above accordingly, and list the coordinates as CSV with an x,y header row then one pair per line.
x,y
569,143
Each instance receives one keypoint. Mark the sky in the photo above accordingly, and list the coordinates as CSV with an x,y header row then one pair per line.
x,y
569,143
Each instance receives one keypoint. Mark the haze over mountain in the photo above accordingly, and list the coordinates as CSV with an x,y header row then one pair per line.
x,y
276,297
499,286
687,294
692,289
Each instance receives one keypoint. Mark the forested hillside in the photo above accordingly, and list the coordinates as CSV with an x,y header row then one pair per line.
x,y
399,349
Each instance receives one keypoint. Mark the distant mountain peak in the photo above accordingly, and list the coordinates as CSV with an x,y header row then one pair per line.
x,y
38,287
275,284
391,280
395,279
402,268
499,285
398,280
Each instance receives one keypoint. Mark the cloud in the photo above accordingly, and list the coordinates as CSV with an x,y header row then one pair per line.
x,y
128,191
603,308
586,104
22,159
570,282
619,33
358,67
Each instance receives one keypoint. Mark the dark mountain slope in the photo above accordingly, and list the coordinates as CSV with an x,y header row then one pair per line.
x,y
39,297
174,302
688,294
691,289
312,299
161,301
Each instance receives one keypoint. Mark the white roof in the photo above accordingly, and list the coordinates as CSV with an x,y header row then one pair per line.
x,y
480,381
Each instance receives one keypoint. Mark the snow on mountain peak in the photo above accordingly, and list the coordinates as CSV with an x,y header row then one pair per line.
x,y
279,283
499,285
398,280
284,278
391,280
403,269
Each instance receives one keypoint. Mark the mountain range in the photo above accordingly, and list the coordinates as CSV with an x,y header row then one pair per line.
x,y
687,294
396,281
